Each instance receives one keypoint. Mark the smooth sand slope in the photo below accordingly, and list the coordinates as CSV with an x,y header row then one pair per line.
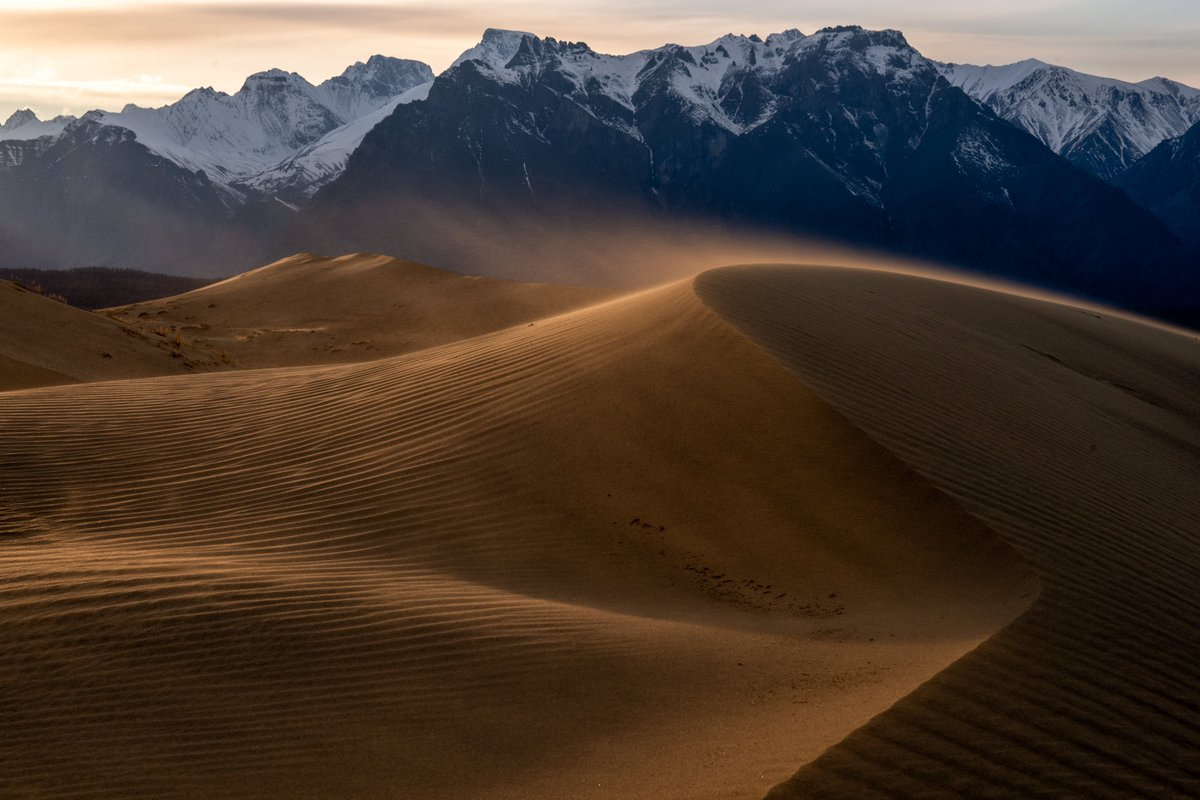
x,y
44,342
621,552
1076,436
308,309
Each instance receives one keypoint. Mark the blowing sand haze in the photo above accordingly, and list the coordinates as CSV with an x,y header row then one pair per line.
x,y
623,535
803,415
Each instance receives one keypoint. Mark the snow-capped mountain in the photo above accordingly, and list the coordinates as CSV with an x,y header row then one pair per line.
x,y
707,78
846,132
232,137
23,136
365,88
95,195
1101,124
253,138
190,187
298,176
23,125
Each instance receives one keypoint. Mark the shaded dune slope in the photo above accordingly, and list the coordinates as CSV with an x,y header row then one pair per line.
x,y
1076,436
308,309
44,342
619,552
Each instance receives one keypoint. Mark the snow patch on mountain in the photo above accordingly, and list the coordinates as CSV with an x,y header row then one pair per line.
x,y
365,87
24,125
495,49
320,162
699,75
1104,124
277,127
233,137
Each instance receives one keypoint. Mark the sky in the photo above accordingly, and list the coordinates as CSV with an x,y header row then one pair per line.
x,y
69,56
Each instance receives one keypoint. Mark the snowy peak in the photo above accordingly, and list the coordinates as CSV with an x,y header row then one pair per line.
x,y
365,87
1170,87
20,117
274,117
727,82
495,49
299,176
1102,124
854,50
23,125
272,79
703,77
984,82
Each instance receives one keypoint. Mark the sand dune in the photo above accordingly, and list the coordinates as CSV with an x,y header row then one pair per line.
x,y
44,342
620,552
308,309
1075,434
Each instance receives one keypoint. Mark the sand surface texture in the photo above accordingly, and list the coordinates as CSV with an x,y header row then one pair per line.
x,y
308,309
44,342
1076,436
619,552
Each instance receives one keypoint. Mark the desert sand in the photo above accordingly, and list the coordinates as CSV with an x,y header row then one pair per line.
x,y
1075,434
308,309
908,537
619,551
44,342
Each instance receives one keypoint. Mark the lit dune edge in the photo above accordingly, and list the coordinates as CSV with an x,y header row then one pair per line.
x,y
1073,433
309,309
619,552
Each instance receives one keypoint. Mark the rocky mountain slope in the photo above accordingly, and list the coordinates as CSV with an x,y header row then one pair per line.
x,y
261,139
847,133
1103,125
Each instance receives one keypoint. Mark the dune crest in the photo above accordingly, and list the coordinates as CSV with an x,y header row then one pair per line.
x,y
1075,434
620,551
309,309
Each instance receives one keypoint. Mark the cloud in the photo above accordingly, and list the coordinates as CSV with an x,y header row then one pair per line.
x,y
44,90
219,43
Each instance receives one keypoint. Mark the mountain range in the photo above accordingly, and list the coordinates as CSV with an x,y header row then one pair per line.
x,y
278,132
845,133
1102,125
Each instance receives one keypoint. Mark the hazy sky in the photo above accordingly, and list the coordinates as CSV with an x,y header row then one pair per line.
x,y
69,56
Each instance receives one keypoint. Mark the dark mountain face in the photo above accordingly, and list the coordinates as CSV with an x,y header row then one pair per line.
x,y
14,152
846,133
95,195
1167,181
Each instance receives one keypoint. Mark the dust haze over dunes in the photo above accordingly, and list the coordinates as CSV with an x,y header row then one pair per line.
x,y
550,542
308,309
619,536
45,342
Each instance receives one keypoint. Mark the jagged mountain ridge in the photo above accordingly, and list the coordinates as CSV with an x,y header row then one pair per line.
x,y
255,140
24,125
845,132
1103,125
